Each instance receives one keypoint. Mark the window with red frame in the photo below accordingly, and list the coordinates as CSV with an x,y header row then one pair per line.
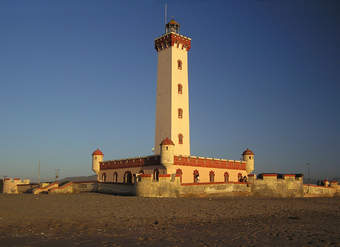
x,y
226,177
180,113
180,88
180,139
179,64
212,176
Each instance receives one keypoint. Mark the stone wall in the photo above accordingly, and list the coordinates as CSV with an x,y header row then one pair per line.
x,y
46,188
75,187
10,185
64,189
311,190
276,185
170,186
88,186
216,189
117,189
166,186
26,188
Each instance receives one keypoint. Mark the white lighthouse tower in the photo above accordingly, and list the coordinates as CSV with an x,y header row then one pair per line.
x,y
172,100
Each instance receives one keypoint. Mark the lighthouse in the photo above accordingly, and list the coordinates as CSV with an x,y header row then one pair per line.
x,y
172,99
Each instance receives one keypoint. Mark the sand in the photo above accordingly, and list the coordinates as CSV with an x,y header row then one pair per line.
x,y
93,219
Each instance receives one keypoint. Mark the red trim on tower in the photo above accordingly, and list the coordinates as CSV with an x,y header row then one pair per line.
x,y
171,39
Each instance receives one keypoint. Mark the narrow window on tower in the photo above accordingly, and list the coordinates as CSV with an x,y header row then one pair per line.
x,y
180,88
179,64
180,113
180,139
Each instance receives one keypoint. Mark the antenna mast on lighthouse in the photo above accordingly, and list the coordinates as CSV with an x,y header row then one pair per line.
x,y
165,15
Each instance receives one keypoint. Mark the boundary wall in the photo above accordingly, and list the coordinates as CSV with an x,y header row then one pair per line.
x,y
276,185
169,185
329,190
75,187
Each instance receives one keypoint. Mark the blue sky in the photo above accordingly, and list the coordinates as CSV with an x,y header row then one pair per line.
x,y
77,75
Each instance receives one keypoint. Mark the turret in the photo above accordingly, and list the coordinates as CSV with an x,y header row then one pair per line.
x,y
97,157
248,157
167,152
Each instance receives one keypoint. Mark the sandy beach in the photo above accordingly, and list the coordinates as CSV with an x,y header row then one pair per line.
x,y
93,219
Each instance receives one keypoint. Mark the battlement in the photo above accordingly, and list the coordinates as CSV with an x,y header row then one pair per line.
x,y
276,184
209,162
275,176
172,39
130,162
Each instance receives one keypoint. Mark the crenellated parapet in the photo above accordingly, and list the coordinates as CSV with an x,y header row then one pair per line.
x,y
172,39
130,163
274,177
209,162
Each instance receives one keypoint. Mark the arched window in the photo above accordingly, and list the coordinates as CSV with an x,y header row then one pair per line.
x,y
128,177
180,113
115,177
226,177
211,176
239,176
156,174
179,64
104,177
196,177
138,177
180,88
179,172
180,139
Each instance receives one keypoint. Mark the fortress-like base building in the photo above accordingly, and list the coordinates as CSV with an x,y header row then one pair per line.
x,y
190,169
172,130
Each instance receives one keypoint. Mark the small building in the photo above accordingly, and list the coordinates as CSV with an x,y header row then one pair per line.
x,y
190,169
10,185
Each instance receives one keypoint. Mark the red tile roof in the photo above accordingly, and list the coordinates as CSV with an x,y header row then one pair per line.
x,y
97,152
173,22
167,141
248,152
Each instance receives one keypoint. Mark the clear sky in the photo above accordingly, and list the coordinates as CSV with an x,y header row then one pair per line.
x,y
77,75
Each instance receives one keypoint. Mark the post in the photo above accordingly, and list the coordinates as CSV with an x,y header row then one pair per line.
x,y
308,173
57,174
165,15
39,173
